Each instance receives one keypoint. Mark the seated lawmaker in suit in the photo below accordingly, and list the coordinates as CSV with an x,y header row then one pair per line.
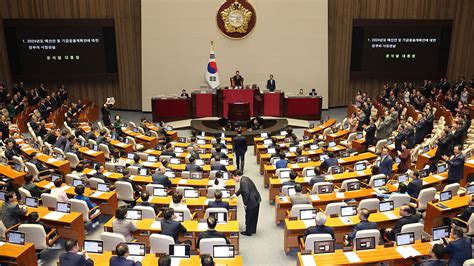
x,y
34,190
406,217
386,163
219,153
211,231
217,165
177,201
319,228
331,161
299,197
170,227
73,257
121,258
464,215
145,196
456,165
122,225
160,178
415,185
290,182
317,178
459,249
364,224
217,202
436,256
192,167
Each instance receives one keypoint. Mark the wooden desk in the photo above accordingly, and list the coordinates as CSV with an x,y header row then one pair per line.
x,y
320,128
434,214
17,177
283,204
424,158
97,156
122,146
147,141
63,165
380,254
358,145
338,136
144,226
151,259
296,228
198,205
107,201
21,255
70,226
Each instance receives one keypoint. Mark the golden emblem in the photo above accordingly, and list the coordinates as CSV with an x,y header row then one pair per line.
x,y
236,18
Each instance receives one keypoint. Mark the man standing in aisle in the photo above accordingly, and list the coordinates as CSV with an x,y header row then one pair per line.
x,y
251,199
239,144
271,85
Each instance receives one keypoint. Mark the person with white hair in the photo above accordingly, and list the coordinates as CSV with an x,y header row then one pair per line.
x,y
320,227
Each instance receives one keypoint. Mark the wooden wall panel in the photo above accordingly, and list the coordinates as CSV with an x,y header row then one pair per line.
x,y
341,13
127,17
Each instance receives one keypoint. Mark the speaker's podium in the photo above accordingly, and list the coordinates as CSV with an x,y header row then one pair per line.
x,y
239,112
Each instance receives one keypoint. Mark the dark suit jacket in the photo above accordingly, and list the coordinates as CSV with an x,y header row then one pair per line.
x,y
172,228
5,130
370,135
414,188
405,220
405,161
193,168
363,225
319,230
386,166
218,166
271,85
459,251
249,192
316,179
121,261
218,204
466,214
73,259
161,179
328,163
211,234
456,168
239,144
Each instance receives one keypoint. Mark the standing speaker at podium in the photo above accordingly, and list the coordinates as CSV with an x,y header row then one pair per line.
x,y
271,85
237,81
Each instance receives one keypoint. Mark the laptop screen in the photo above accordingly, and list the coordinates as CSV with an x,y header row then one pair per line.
x,y
321,247
308,214
159,192
426,148
313,147
130,156
323,157
337,169
63,207
136,249
360,167
386,206
440,232
442,168
16,237
359,135
152,158
191,193
285,174
195,175
445,195
293,149
225,175
271,151
470,189
178,149
94,246
221,217
201,141
365,243
348,211
170,174
2,195
179,216
102,187
225,193
31,202
77,182
180,251
390,141
134,214
119,168
143,171
223,251
379,182
283,133
310,172
402,178
267,141
325,189
54,177
264,135
17,167
331,144
175,161
351,186
291,191
96,147
405,239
